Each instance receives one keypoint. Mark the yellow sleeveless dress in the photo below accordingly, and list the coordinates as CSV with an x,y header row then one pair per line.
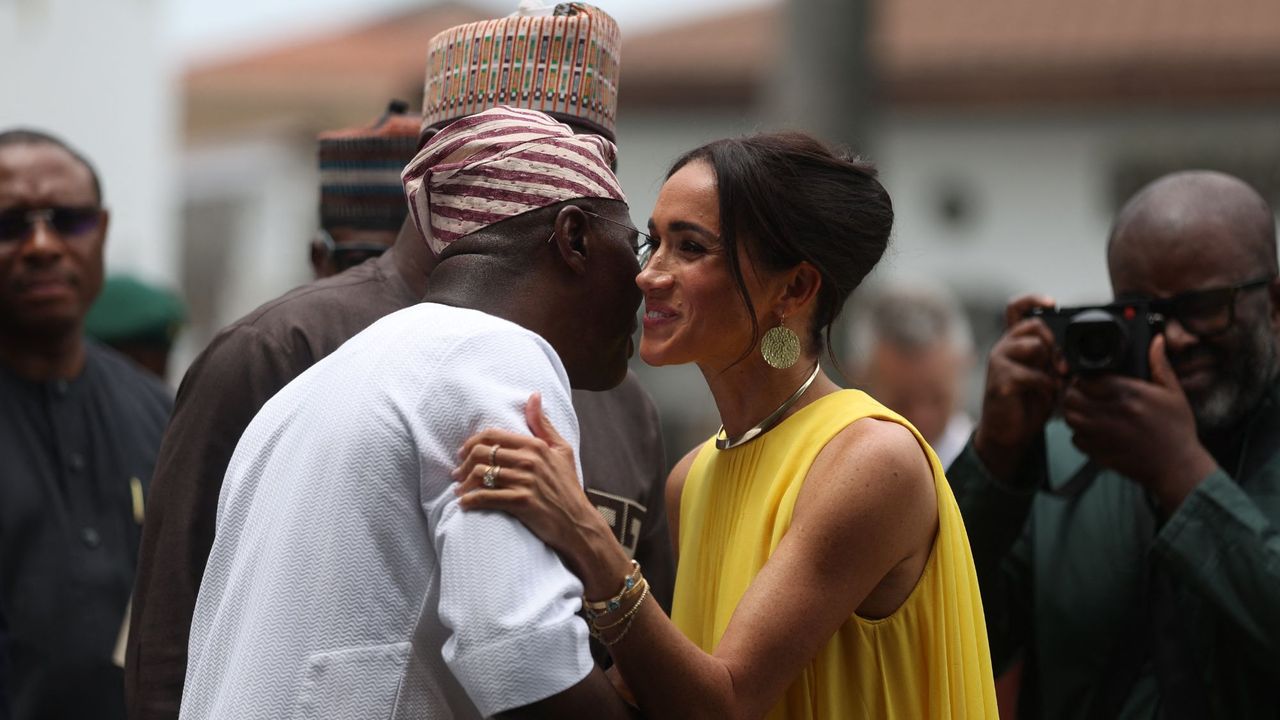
x,y
929,659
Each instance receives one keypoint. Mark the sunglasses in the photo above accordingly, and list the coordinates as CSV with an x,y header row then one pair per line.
x,y
348,255
18,224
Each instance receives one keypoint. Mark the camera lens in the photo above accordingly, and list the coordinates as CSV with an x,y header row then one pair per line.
x,y
1095,347
1095,340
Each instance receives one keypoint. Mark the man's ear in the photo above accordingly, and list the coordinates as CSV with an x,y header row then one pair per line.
x,y
105,224
319,258
570,237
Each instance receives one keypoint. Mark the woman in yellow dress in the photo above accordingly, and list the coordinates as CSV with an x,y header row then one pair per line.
x,y
824,570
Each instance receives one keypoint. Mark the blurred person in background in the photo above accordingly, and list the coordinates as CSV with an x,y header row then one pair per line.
x,y
253,358
80,426
341,485
912,350
362,204
137,319
824,570
1147,582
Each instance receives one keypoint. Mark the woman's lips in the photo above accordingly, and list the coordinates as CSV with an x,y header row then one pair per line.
x,y
657,316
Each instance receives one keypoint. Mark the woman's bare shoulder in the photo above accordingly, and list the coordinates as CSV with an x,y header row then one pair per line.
x,y
874,471
884,447
681,470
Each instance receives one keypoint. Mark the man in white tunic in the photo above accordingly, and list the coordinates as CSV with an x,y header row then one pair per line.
x,y
344,580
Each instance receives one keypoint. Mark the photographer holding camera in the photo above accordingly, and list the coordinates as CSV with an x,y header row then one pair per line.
x,y
1142,578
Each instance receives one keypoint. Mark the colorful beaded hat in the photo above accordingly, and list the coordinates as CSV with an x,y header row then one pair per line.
x,y
563,61
360,171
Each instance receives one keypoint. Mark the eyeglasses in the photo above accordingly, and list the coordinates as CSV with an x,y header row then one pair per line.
x,y
1209,312
18,224
643,250
348,255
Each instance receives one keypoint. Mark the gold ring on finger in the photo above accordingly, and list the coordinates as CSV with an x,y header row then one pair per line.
x,y
493,455
490,479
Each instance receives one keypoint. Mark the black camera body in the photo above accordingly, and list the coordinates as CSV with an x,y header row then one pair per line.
x,y
1105,338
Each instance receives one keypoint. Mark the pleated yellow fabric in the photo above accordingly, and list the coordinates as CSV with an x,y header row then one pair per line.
x,y
929,659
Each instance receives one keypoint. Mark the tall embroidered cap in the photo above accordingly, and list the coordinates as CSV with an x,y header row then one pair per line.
x,y
501,163
561,60
360,171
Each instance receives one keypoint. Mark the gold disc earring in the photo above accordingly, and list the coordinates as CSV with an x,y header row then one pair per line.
x,y
780,346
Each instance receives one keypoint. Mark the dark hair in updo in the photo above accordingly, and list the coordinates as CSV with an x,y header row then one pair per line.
x,y
793,199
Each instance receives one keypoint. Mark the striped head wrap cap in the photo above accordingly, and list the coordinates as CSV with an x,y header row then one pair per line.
x,y
360,171
561,60
498,164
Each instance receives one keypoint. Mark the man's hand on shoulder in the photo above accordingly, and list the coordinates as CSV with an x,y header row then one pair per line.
x,y
1143,430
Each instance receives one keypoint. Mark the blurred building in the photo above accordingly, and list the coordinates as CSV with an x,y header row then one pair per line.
x,y
97,75
1007,132
250,179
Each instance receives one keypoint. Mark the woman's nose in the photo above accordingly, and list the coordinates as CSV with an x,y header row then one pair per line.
x,y
653,278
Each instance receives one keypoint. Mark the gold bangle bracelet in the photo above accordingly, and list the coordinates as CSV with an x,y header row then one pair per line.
x,y
630,613
640,591
620,602
629,620
628,583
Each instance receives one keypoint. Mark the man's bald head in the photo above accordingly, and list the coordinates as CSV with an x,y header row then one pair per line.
x,y
1192,235
1163,212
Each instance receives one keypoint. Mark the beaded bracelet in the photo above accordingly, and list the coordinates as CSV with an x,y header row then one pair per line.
x,y
600,607
629,618
616,640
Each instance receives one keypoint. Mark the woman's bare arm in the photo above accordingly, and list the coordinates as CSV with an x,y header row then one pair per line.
x,y
867,507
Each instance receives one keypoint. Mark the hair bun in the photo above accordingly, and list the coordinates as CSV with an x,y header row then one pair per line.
x,y
795,199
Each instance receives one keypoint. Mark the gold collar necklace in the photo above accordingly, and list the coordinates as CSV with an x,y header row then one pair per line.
x,y
724,442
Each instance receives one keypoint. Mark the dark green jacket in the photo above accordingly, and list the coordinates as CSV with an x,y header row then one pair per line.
x,y
1061,577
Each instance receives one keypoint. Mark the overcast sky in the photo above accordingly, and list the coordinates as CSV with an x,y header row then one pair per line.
x,y
209,28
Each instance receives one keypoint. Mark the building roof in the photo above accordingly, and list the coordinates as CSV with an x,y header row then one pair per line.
x,y
975,53
1186,51
992,52
333,81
